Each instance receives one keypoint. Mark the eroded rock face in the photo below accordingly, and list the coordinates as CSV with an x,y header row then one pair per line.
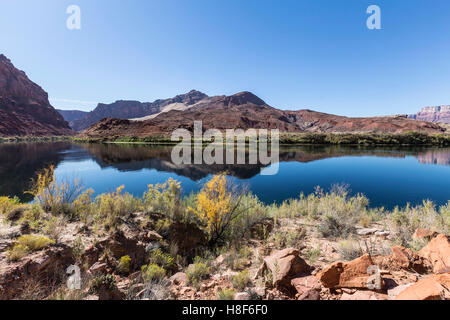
x,y
47,266
24,106
434,287
353,274
119,244
433,114
188,238
437,251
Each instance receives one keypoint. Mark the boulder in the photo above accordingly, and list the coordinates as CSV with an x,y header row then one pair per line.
x,y
308,287
407,259
434,287
353,274
437,251
284,266
403,259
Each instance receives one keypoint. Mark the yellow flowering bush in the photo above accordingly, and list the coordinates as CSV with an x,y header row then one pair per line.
x,y
215,207
7,205
27,244
52,196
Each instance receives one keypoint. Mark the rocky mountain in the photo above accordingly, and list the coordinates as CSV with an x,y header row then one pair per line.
x,y
134,109
71,115
245,110
24,106
433,114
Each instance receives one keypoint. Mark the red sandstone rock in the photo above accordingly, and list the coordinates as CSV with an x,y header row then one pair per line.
x,y
308,288
434,287
438,253
421,233
353,274
285,265
24,106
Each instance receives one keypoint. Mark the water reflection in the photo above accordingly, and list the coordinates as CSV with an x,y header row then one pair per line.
x,y
138,157
20,162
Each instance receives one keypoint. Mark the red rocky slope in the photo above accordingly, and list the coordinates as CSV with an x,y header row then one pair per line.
x,y
245,110
24,106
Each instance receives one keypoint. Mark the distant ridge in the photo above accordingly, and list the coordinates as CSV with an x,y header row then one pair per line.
x,y
133,109
245,110
439,114
71,115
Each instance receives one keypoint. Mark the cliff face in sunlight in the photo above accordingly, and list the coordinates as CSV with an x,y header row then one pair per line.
x,y
24,106
439,114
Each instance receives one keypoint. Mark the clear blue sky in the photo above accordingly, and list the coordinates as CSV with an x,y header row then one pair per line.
x,y
294,54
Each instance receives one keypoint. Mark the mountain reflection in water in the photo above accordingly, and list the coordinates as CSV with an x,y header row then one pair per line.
x,y
19,164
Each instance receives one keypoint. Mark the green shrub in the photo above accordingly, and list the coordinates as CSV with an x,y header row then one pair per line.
x,y
251,221
27,244
112,208
53,227
54,197
165,199
334,226
103,282
78,249
239,259
404,222
241,280
124,265
226,294
288,238
197,271
33,217
164,260
7,205
152,272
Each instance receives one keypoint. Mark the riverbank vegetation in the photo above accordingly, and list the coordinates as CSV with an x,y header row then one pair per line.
x,y
191,232
362,139
35,139
366,139
222,212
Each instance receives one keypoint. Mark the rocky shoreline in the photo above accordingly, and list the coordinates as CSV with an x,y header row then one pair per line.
x,y
270,271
